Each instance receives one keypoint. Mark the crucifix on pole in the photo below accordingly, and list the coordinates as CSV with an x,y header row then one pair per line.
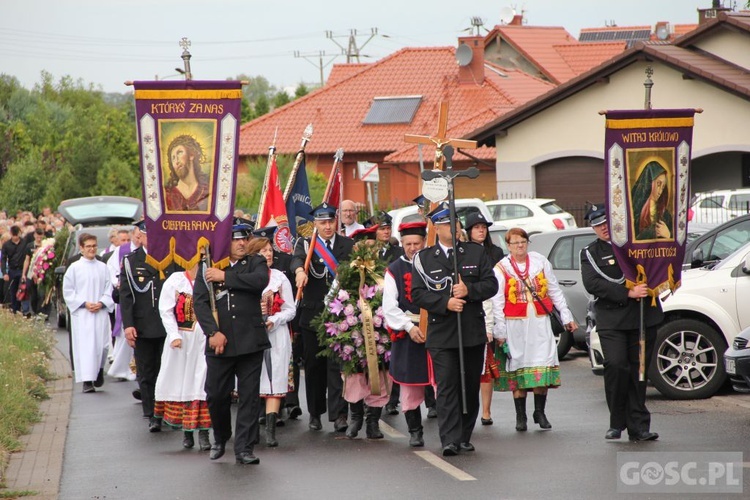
x,y
440,140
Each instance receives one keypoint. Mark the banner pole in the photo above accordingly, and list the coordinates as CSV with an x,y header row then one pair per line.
x,y
648,84
264,190
306,137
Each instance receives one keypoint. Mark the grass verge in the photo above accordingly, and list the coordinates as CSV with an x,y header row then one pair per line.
x,y
25,351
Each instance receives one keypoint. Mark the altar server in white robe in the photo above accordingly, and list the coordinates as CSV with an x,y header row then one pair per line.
x,y
87,290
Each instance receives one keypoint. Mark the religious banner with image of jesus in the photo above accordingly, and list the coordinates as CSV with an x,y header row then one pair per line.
x,y
647,157
188,136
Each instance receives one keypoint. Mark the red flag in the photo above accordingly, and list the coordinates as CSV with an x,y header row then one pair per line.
x,y
333,192
274,211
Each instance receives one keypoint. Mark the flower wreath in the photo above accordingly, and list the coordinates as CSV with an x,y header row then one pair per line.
x,y
339,326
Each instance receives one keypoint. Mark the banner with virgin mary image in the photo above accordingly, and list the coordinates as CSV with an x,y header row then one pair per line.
x,y
647,157
188,136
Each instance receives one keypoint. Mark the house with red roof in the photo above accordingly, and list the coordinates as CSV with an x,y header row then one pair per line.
x,y
366,109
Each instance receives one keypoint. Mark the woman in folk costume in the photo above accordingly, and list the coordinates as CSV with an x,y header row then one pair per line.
x,y
180,393
278,309
528,290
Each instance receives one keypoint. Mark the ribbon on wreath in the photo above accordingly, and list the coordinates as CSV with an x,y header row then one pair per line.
x,y
368,327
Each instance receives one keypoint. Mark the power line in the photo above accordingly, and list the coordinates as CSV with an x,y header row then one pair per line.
x,y
352,51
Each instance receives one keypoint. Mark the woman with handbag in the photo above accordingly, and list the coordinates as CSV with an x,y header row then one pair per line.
x,y
528,293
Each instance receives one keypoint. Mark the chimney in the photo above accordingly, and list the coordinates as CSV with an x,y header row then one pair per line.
x,y
517,20
470,60
705,15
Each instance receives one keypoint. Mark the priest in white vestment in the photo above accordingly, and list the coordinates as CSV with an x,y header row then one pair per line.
x,y
87,290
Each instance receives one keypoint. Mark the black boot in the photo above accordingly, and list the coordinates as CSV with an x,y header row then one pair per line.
x,y
358,415
540,401
520,413
372,418
188,441
271,430
204,443
414,422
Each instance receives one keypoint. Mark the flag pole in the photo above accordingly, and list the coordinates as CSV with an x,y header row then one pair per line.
x,y
311,250
306,137
642,324
266,178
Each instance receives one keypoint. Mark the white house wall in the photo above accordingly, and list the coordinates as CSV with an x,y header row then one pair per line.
x,y
732,46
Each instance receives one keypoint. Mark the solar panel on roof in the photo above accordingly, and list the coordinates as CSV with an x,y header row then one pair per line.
x,y
385,110
614,35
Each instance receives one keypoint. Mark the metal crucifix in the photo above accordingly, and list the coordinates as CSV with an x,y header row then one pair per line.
x,y
449,175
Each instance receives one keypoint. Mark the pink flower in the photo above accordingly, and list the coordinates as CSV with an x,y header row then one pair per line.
x,y
377,321
343,295
336,347
45,265
332,329
336,307
343,326
50,254
348,350
369,291
380,349
387,356
349,310
357,341
351,320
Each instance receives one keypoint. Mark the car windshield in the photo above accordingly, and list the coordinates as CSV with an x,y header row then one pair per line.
x,y
723,263
551,208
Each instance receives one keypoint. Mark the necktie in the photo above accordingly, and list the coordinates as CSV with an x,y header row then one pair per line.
x,y
328,245
450,254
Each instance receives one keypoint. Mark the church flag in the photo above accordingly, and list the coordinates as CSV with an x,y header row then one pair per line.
x,y
274,210
647,159
188,139
299,204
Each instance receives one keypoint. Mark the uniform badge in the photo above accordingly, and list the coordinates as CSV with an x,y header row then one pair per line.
x,y
141,278
611,262
438,286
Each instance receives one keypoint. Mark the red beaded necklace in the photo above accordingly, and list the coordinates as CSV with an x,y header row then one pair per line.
x,y
521,275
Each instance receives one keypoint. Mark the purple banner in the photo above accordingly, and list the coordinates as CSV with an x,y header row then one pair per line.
x,y
647,155
188,135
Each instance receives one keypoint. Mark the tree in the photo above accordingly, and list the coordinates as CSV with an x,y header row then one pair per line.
x,y
117,177
301,91
262,106
24,185
280,99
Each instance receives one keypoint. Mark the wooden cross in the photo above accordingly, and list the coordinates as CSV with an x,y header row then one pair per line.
x,y
439,139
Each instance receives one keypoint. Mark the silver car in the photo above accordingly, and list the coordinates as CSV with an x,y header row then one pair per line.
x,y
563,250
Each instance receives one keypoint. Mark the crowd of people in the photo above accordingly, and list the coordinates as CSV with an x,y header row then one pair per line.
x,y
204,338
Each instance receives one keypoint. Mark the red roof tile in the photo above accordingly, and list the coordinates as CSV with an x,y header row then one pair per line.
x,y
338,109
584,56
341,71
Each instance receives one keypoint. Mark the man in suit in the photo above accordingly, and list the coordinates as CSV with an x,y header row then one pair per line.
x,y
321,373
435,289
235,344
140,286
618,324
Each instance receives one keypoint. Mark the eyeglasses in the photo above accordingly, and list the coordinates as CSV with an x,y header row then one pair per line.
x,y
90,246
518,243
349,211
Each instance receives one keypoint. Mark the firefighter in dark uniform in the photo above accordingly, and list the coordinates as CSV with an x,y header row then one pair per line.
x,y
434,289
390,250
282,262
617,311
321,373
140,286
235,345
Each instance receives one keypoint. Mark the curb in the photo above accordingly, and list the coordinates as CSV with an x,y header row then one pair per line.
x,y
39,466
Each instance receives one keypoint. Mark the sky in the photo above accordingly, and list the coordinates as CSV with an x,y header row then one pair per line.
x,y
108,42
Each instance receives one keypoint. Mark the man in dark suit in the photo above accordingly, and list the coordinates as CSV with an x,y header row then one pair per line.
x,y
435,289
321,373
235,344
140,286
618,324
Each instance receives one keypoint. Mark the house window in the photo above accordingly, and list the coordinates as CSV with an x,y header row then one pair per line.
x,y
387,110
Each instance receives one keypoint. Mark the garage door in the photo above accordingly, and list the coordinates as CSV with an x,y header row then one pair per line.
x,y
572,182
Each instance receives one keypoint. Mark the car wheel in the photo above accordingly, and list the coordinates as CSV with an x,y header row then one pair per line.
x,y
564,342
688,360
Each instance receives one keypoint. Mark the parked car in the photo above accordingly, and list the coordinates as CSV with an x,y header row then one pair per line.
x,y
702,318
95,215
563,249
464,206
737,362
720,206
716,243
534,215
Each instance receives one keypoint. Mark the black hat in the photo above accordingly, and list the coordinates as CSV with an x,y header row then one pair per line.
x,y
408,228
441,214
141,225
385,219
324,211
240,228
475,218
265,232
596,215
419,200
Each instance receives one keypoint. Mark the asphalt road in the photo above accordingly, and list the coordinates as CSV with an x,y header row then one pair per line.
x,y
110,454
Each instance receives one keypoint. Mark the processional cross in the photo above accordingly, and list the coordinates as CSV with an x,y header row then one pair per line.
x,y
440,140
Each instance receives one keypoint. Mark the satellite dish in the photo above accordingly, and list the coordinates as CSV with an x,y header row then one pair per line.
x,y
662,32
507,14
464,55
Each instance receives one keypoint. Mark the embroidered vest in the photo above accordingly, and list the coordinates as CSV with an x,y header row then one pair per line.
x,y
516,298
402,271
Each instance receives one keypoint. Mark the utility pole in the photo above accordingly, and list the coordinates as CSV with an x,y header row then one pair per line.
x,y
352,51
319,56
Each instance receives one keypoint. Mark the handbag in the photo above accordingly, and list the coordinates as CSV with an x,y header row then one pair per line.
x,y
555,319
22,293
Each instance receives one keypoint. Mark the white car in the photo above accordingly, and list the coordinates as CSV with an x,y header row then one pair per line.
x,y
464,206
718,207
534,215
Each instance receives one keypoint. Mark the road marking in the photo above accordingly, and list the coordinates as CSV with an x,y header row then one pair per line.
x,y
390,431
444,466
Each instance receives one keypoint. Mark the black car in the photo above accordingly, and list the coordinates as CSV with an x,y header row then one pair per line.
x,y
737,362
95,215
715,244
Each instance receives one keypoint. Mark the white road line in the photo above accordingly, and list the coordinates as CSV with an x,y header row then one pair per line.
x,y
444,466
390,431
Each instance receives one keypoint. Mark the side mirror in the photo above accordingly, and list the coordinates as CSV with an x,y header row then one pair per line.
x,y
697,258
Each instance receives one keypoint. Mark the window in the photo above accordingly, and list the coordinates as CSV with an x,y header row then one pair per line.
x,y
388,110
740,202
566,252
514,212
712,202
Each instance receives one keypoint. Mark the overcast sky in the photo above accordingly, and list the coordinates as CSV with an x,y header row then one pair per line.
x,y
106,42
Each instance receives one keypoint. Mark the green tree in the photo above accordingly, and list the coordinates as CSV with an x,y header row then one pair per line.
x,y
301,91
24,184
262,106
117,177
280,99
